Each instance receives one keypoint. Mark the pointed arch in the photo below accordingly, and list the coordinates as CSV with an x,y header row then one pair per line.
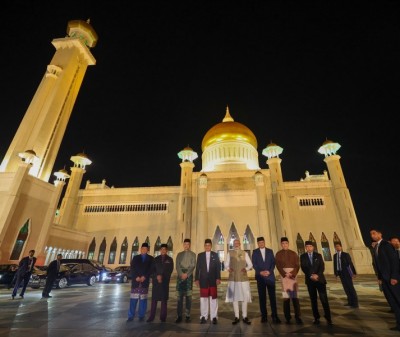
x,y
326,251
314,243
248,240
157,246
102,251
135,248
113,251
148,242
300,245
124,251
336,239
170,246
233,234
20,241
92,248
218,241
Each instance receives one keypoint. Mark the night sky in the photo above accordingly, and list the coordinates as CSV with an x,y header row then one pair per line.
x,y
295,73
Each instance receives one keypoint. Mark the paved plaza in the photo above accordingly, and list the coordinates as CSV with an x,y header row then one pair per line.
x,y
83,311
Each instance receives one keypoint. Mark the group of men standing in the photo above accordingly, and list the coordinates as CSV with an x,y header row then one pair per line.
x,y
204,270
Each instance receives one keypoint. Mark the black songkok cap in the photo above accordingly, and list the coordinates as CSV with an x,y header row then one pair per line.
x,y
207,241
284,238
145,244
186,240
164,245
308,243
260,238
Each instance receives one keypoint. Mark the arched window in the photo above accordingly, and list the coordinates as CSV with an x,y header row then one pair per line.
x,y
135,248
20,241
248,240
300,245
124,251
102,251
314,243
336,239
218,245
170,247
157,247
113,250
233,234
92,248
326,252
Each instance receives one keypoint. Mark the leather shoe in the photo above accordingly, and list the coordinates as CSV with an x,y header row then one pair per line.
x,y
247,321
329,322
299,321
12,296
22,296
214,320
162,320
316,321
187,319
264,319
203,320
178,320
49,296
395,328
130,319
235,321
276,320
150,320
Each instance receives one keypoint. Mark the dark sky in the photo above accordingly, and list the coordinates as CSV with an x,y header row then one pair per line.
x,y
295,73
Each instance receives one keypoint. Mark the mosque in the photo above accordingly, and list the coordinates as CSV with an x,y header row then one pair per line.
x,y
230,197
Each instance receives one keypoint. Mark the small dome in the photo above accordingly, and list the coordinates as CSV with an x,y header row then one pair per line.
x,y
228,130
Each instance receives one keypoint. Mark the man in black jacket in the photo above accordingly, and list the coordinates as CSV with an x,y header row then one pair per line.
x,y
387,266
313,267
208,277
24,273
52,272
344,269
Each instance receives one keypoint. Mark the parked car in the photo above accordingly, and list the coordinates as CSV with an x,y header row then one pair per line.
x,y
76,273
7,272
121,274
103,270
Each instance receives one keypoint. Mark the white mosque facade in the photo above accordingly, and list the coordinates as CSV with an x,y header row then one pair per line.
x,y
230,197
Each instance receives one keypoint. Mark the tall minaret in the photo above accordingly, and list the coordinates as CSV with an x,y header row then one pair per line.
x,y
272,152
185,195
43,126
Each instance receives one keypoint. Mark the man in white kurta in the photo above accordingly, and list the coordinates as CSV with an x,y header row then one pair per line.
x,y
237,264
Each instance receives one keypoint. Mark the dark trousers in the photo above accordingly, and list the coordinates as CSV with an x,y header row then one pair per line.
x,y
49,285
286,308
188,299
262,288
349,289
163,311
21,280
393,297
316,289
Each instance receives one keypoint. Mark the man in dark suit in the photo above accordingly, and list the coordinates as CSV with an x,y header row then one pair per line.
x,y
161,270
140,271
52,272
24,273
313,267
208,277
344,269
387,265
263,260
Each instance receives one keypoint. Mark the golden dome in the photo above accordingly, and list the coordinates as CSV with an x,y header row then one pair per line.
x,y
228,130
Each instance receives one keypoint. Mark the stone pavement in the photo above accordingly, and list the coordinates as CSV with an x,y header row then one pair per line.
x,y
83,311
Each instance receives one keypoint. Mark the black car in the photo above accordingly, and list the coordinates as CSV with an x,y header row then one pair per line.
x,y
121,274
7,272
76,273
38,277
